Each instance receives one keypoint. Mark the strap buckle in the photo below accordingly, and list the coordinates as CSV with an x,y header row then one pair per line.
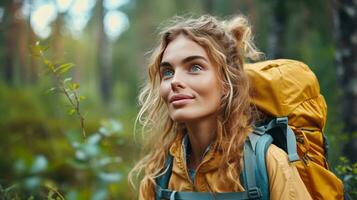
x,y
282,120
254,193
260,130
163,193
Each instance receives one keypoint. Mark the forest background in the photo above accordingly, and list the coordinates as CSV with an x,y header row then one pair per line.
x,y
43,151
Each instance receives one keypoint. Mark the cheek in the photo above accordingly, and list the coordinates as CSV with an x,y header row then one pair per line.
x,y
214,93
164,90
210,87
210,93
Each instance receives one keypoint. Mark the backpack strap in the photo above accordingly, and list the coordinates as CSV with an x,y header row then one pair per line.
x,y
163,193
174,195
256,147
254,172
288,137
162,181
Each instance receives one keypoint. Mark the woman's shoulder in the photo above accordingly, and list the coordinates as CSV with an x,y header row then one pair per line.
x,y
284,179
278,164
276,154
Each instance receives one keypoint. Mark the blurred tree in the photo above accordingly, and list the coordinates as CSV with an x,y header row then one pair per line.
x,y
346,59
104,56
278,29
16,37
11,8
33,66
57,39
251,10
22,45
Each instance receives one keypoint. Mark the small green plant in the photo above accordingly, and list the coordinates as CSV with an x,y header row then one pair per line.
x,y
347,171
91,157
12,193
9,192
65,84
53,193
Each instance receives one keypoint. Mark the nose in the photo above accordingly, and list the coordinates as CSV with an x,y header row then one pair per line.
x,y
176,82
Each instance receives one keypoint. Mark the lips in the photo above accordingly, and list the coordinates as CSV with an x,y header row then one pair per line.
x,y
179,97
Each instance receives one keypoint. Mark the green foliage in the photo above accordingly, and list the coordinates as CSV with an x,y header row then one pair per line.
x,y
347,171
64,84
57,161
8,193
90,156
93,158
74,168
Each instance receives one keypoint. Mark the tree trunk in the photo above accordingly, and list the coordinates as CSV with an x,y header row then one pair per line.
x,y
57,39
10,41
32,39
104,57
22,46
276,38
346,59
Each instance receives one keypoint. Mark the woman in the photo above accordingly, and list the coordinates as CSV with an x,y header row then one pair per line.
x,y
196,108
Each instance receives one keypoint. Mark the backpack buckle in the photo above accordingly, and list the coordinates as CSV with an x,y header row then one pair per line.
x,y
163,193
260,130
282,120
254,193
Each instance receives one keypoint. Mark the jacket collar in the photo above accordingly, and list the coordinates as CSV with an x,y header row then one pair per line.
x,y
179,150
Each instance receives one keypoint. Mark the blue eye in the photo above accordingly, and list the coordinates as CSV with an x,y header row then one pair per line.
x,y
195,68
167,73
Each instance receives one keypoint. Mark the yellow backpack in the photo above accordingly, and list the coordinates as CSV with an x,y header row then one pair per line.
x,y
288,88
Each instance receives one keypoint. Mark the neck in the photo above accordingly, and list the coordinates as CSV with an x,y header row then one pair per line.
x,y
201,134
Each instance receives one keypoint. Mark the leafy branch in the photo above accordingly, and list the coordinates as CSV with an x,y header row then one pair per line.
x,y
64,84
53,194
347,171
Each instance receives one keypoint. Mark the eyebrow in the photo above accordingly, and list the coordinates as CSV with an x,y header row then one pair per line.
x,y
185,60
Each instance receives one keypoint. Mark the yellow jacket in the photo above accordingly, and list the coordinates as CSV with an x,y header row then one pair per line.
x,y
284,180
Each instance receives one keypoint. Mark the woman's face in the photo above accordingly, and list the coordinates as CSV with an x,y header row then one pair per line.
x,y
189,82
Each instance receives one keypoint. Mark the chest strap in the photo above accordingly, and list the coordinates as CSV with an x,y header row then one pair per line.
x,y
253,193
162,182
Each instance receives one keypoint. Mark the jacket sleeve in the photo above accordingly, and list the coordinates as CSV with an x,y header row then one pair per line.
x,y
284,179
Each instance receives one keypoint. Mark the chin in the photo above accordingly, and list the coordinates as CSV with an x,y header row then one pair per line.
x,y
181,117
